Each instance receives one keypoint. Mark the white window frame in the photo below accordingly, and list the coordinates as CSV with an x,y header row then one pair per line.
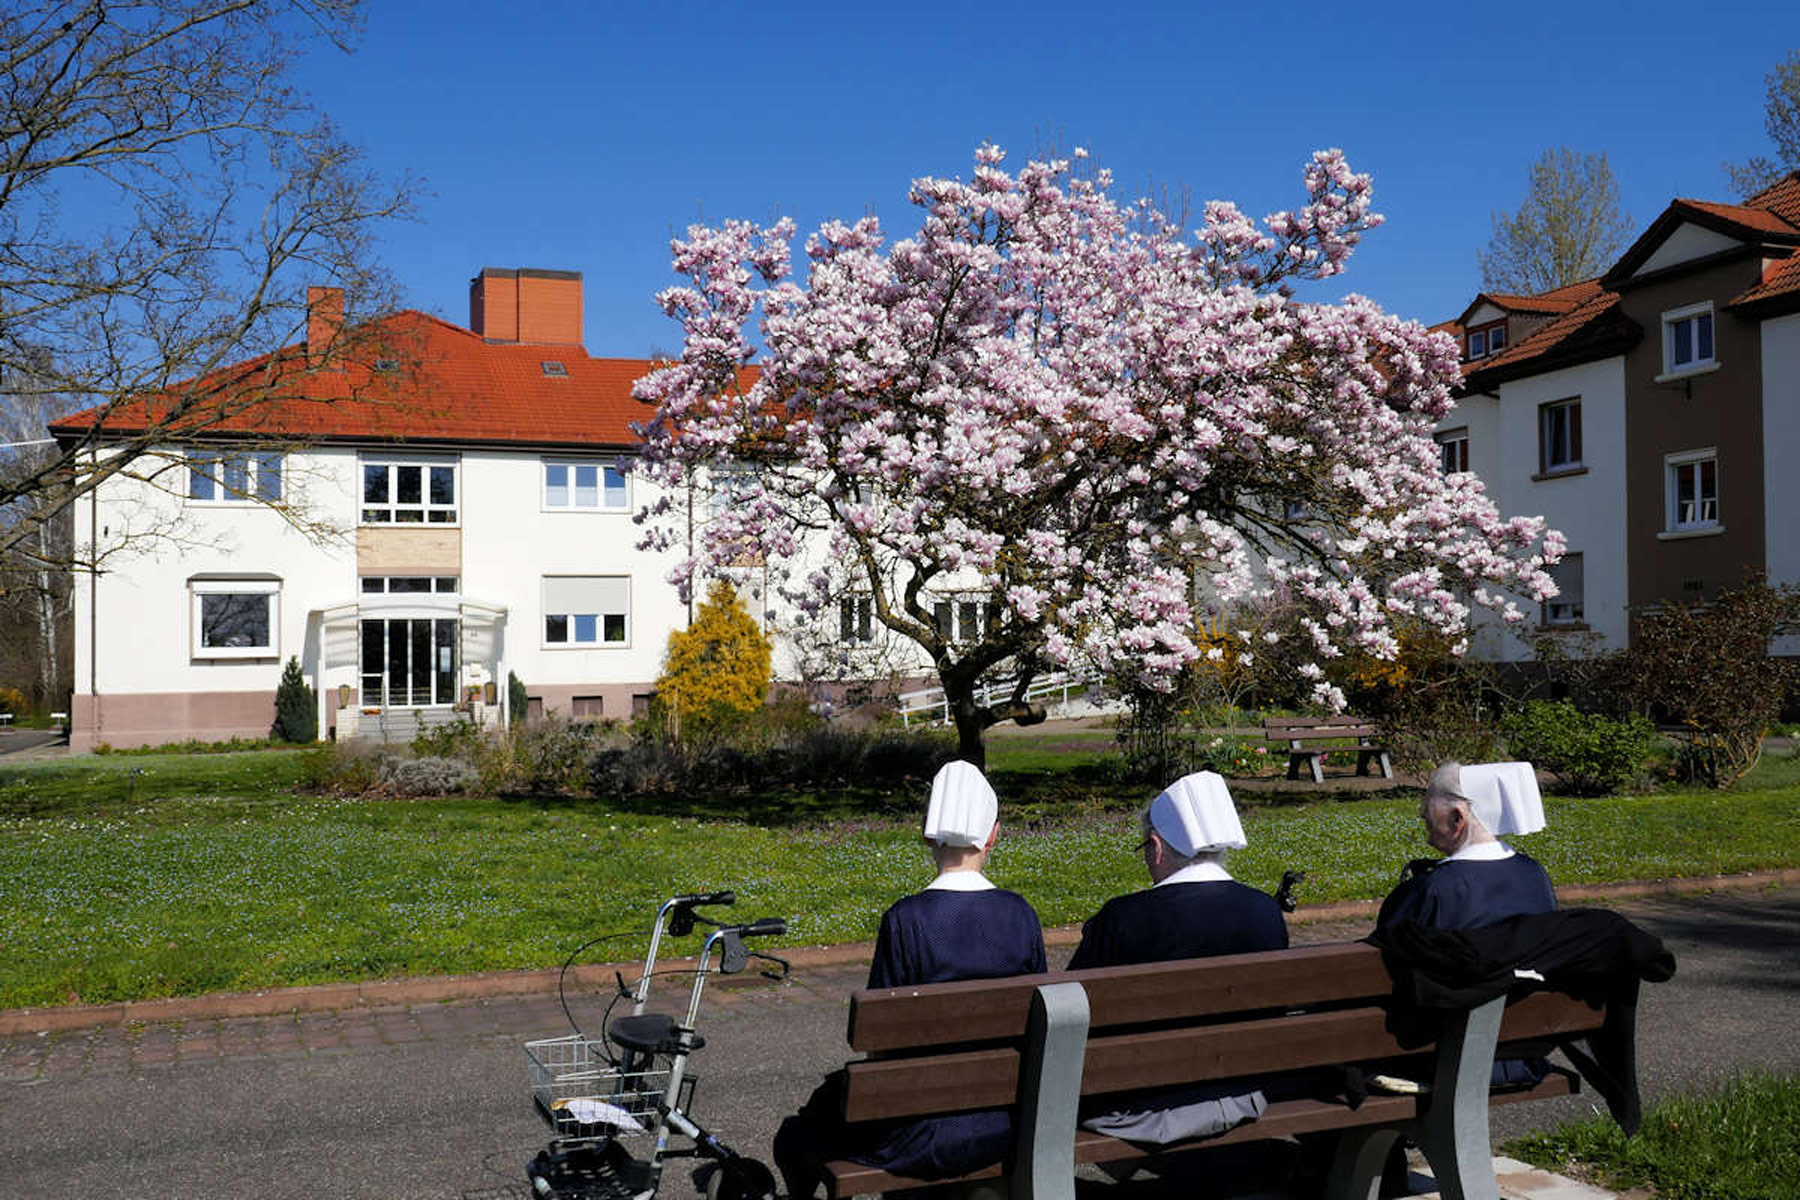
x,y
1573,610
1572,430
1676,317
426,507
1673,465
572,620
1489,346
1447,439
199,588
571,488
213,469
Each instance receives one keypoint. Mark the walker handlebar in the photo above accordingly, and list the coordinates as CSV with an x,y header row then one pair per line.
x,y
701,898
764,927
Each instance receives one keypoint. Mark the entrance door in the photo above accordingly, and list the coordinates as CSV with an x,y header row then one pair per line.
x,y
408,662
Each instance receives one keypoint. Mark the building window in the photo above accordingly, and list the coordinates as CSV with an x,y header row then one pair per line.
x,y
1693,490
1453,450
584,487
964,621
856,619
236,618
1489,339
407,585
1566,608
587,610
234,476
1559,436
587,708
1688,339
409,493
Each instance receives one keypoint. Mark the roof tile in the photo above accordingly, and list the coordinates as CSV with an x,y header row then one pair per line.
x,y
452,385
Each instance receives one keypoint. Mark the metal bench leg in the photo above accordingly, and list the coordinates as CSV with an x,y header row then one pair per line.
x,y
1453,1125
1357,1164
1043,1165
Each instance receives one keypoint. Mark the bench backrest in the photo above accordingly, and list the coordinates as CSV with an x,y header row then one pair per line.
x,y
1317,728
948,1047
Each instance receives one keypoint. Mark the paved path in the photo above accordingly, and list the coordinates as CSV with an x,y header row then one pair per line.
x,y
428,1100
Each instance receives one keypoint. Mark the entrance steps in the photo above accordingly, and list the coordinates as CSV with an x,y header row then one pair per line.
x,y
401,725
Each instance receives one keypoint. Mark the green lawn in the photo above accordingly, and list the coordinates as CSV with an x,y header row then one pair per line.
x,y
1740,1142
205,872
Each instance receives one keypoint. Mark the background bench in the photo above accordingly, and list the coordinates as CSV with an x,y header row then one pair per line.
x,y
1043,1042
1296,732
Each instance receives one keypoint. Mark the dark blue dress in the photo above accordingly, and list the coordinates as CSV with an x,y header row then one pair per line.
x,y
1181,920
1160,924
934,936
1456,894
1468,894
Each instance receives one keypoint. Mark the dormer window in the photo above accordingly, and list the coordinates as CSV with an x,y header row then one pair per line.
x,y
1488,339
555,369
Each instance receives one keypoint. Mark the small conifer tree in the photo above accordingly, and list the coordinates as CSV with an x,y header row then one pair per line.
x,y
516,699
717,669
296,706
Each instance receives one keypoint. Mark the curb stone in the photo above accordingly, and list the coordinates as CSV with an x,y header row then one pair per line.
x,y
436,989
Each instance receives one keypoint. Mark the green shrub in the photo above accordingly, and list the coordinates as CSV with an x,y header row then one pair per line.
x,y
296,707
13,701
1707,668
517,701
1589,754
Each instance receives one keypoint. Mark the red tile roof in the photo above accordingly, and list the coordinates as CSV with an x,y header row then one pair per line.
x,y
1751,219
1558,300
450,385
1589,329
1780,278
1781,198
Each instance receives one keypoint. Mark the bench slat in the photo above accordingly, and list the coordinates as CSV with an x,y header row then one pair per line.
x,y
901,1087
947,1014
1283,1118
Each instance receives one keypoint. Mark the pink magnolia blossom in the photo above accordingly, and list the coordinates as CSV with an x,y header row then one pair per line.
x,y
1086,415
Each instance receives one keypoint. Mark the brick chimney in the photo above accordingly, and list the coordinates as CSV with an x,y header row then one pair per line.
x,y
324,321
526,305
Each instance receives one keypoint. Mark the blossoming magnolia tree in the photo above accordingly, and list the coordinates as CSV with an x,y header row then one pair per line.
x,y
1092,418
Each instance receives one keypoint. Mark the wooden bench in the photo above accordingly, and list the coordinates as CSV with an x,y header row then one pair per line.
x,y
1044,1042
1297,731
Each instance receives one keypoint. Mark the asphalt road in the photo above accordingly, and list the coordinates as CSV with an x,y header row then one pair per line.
x,y
431,1101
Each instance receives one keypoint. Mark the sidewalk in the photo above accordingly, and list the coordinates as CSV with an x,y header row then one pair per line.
x,y
415,1089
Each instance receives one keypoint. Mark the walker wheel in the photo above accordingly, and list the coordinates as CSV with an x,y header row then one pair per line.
x,y
740,1179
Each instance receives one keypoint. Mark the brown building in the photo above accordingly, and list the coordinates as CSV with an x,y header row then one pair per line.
x,y
1652,414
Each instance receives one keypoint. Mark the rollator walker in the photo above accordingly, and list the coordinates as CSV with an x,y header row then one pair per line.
x,y
632,1086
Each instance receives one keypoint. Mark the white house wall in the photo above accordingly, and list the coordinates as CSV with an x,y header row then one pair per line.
x,y
134,629
1781,450
1588,507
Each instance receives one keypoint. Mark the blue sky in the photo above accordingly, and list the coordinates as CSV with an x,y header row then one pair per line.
x,y
582,136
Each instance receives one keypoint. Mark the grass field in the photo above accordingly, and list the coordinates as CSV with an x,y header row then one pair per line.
x,y
1740,1142
161,875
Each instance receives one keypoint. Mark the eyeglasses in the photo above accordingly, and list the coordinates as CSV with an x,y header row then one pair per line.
x,y
1143,847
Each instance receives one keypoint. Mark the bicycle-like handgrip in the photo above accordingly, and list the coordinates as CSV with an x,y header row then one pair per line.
x,y
726,897
765,927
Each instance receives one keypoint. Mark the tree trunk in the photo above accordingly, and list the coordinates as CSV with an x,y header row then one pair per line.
x,y
972,721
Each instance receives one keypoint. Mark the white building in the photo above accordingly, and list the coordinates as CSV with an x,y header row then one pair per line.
x,y
445,512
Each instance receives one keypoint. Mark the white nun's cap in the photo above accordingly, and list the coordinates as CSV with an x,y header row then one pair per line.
x,y
963,807
1196,814
1503,796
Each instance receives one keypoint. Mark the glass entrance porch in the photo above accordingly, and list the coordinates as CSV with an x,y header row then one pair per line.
x,y
409,662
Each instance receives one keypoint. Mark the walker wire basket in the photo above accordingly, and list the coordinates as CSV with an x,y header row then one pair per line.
x,y
583,1095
